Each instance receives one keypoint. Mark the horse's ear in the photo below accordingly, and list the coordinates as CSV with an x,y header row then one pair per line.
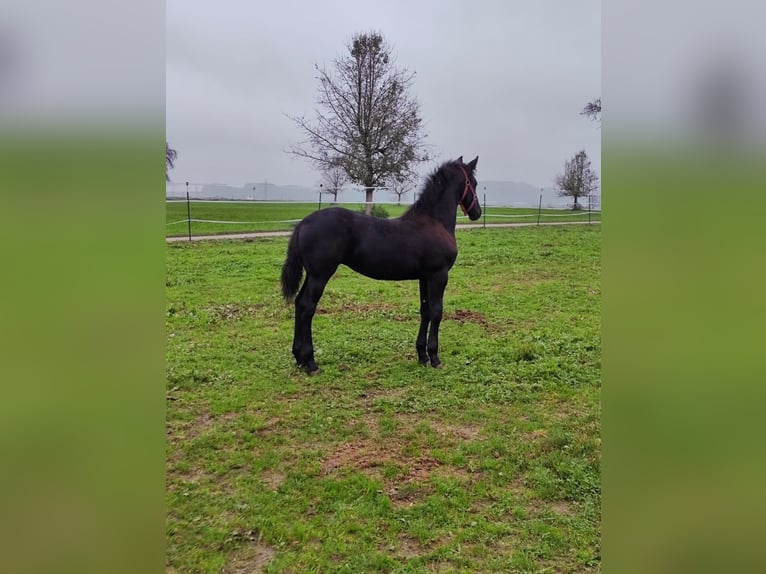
x,y
472,164
460,159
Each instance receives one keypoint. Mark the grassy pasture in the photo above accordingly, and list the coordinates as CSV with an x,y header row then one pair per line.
x,y
261,216
490,464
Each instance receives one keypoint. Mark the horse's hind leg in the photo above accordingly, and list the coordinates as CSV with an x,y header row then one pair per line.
x,y
420,342
305,307
298,332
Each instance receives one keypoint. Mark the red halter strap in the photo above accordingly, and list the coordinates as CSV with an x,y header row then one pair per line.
x,y
468,187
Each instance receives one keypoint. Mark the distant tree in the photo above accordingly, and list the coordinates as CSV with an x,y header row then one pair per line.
x,y
170,158
366,121
400,188
592,110
578,179
333,180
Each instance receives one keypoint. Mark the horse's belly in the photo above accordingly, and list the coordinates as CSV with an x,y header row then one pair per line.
x,y
385,269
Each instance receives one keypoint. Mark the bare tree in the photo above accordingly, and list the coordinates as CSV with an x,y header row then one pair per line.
x,y
366,121
333,180
578,179
400,188
592,110
170,158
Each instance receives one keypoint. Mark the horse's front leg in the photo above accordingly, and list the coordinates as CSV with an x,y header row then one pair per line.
x,y
436,286
420,342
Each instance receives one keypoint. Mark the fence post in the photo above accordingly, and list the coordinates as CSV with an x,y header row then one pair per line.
x,y
539,208
588,209
188,210
484,211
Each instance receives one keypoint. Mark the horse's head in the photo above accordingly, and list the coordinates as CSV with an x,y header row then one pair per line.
x,y
469,199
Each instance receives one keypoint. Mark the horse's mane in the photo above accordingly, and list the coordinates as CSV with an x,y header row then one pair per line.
x,y
433,189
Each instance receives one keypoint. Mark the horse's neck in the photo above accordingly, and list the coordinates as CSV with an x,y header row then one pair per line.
x,y
445,212
448,219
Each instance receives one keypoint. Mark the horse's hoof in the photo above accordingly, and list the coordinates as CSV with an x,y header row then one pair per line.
x,y
424,363
311,369
438,365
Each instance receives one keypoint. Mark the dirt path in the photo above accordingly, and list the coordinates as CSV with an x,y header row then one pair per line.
x,y
257,234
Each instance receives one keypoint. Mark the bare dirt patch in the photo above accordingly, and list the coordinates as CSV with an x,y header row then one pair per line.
x,y
562,507
273,479
537,434
233,311
179,432
257,558
269,426
465,316
365,454
202,423
186,478
460,431
519,488
407,425
397,458
408,548
403,475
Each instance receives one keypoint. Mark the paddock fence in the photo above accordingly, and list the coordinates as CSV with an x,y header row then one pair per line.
x,y
191,210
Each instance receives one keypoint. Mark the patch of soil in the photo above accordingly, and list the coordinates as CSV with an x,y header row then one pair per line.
x,y
519,488
181,479
562,507
203,422
460,431
408,548
371,456
408,496
233,311
377,455
268,426
273,479
182,431
177,432
463,316
258,557
537,434
365,454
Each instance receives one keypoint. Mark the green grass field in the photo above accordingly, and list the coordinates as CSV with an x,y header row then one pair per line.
x,y
491,464
258,216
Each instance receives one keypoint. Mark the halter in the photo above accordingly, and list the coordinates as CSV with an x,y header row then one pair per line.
x,y
468,186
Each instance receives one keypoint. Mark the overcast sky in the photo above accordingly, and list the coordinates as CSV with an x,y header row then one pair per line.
x,y
501,79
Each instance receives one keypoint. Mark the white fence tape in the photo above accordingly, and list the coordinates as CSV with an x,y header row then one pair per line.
x,y
234,222
569,212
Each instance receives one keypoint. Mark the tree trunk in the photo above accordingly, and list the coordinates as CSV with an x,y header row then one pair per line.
x,y
368,200
576,206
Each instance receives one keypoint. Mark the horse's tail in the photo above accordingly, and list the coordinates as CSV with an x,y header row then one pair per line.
x,y
292,269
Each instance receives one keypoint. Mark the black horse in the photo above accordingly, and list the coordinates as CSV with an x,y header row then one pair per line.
x,y
418,245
